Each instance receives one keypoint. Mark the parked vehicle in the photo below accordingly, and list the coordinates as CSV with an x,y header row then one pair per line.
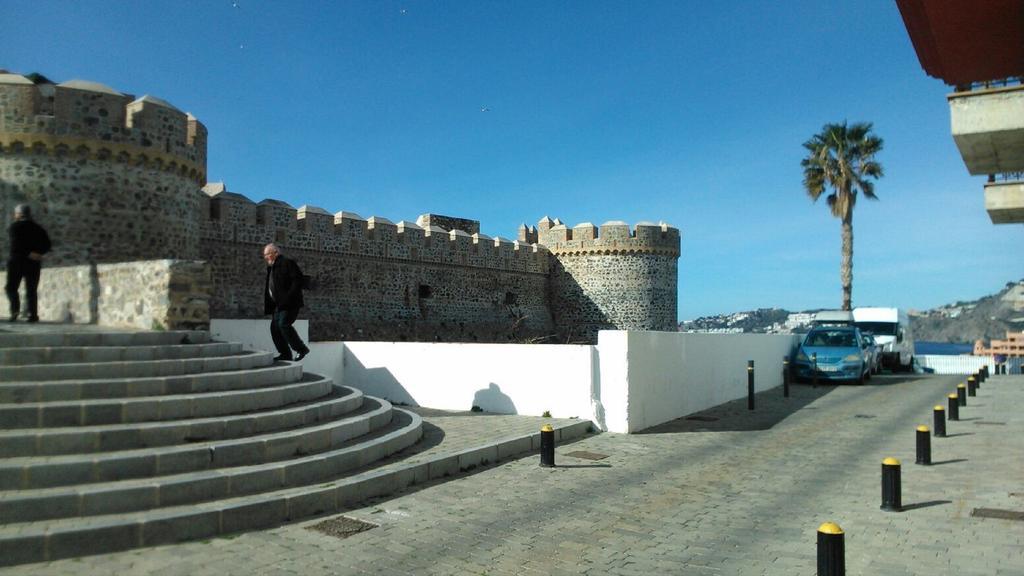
x,y
833,353
892,331
874,352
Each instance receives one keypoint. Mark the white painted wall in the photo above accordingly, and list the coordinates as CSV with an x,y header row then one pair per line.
x,y
502,378
253,334
672,374
964,364
628,382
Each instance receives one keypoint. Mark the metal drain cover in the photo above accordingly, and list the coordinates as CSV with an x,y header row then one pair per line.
x,y
989,423
864,416
702,418
583,454
342,526
997,513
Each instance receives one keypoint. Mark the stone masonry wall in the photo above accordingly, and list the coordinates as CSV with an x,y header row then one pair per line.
x,y
376,280
611,278
158,294
111,178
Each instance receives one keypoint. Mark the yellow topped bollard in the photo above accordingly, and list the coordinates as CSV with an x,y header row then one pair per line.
x,y
924,446
831,550
547,446
940,421
961,394
892,501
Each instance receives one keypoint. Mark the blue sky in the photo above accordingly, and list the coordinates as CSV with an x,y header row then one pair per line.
x,y
688,112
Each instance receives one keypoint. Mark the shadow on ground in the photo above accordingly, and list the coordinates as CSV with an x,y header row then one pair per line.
x,y
770,408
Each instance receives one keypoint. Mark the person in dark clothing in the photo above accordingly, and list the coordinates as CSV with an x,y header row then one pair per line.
x,y
29,242
282,298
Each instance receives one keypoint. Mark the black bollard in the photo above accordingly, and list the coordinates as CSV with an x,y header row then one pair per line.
x,y
985,370
940,421
972,386
954,408
547,446
814,369
961,394
891,499
785,376
924,446
750,384
980,377
831,550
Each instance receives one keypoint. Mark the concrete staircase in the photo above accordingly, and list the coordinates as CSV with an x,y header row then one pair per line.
x,y
111,441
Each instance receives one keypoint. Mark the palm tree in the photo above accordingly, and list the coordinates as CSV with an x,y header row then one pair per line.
x,y
842,158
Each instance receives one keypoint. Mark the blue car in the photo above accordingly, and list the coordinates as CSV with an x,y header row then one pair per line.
x,y
834,353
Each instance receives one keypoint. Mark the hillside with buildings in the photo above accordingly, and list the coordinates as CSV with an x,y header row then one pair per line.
x,y
963,321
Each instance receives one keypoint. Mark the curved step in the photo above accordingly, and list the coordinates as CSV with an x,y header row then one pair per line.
x,y
27,473
112,437
155,408
104,338
24,356
208,486
81,389
91,370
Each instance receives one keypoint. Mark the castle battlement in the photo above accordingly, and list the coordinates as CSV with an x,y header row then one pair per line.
x,y
234,218
92,120
612,237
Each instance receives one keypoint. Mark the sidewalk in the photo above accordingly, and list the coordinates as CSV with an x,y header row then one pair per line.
x,y
723,492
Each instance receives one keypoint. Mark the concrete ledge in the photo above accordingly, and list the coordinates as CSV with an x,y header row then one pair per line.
x,y
1004,202
103,338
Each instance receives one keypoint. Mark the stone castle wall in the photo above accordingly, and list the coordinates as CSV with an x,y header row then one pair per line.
x,y
376,280
116,178
111,177
610,277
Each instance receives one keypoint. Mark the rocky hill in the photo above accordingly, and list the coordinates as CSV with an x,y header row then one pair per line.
x,y
985,318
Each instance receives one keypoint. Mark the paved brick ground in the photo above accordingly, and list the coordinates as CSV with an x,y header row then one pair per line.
x,y
738,495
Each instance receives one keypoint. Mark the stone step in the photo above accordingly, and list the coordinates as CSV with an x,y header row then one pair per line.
x,y
41,541
93,370
81,389
103,338
108,438
24,356
28,473
156,408
208,485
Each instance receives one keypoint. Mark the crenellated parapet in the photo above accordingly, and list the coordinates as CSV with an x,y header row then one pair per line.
x,y
89,120
234,218
613,237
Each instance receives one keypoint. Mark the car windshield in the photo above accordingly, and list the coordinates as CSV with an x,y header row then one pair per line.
x,y
880,328
833,338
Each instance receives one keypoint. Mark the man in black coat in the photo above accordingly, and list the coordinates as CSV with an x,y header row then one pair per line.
x,y
282,298
29,242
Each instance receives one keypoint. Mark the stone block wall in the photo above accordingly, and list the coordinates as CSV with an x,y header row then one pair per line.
x,y
376,280
158,294
112,178
610,277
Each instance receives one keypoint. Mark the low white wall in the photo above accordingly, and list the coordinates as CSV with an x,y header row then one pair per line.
x,y
670,375
946,364
628,382
253,334
502,378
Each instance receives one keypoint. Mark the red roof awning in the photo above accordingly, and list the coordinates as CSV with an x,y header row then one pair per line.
x,y
966,41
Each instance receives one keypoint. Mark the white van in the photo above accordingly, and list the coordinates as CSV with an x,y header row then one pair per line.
x,y
891,329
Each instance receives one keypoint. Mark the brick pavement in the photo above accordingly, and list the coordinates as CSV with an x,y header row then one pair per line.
x,y
742,494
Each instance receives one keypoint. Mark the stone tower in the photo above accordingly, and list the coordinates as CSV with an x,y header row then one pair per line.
x,y
611,278
112,177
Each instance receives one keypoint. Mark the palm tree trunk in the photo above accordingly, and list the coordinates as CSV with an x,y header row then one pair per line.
x,y
846,265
